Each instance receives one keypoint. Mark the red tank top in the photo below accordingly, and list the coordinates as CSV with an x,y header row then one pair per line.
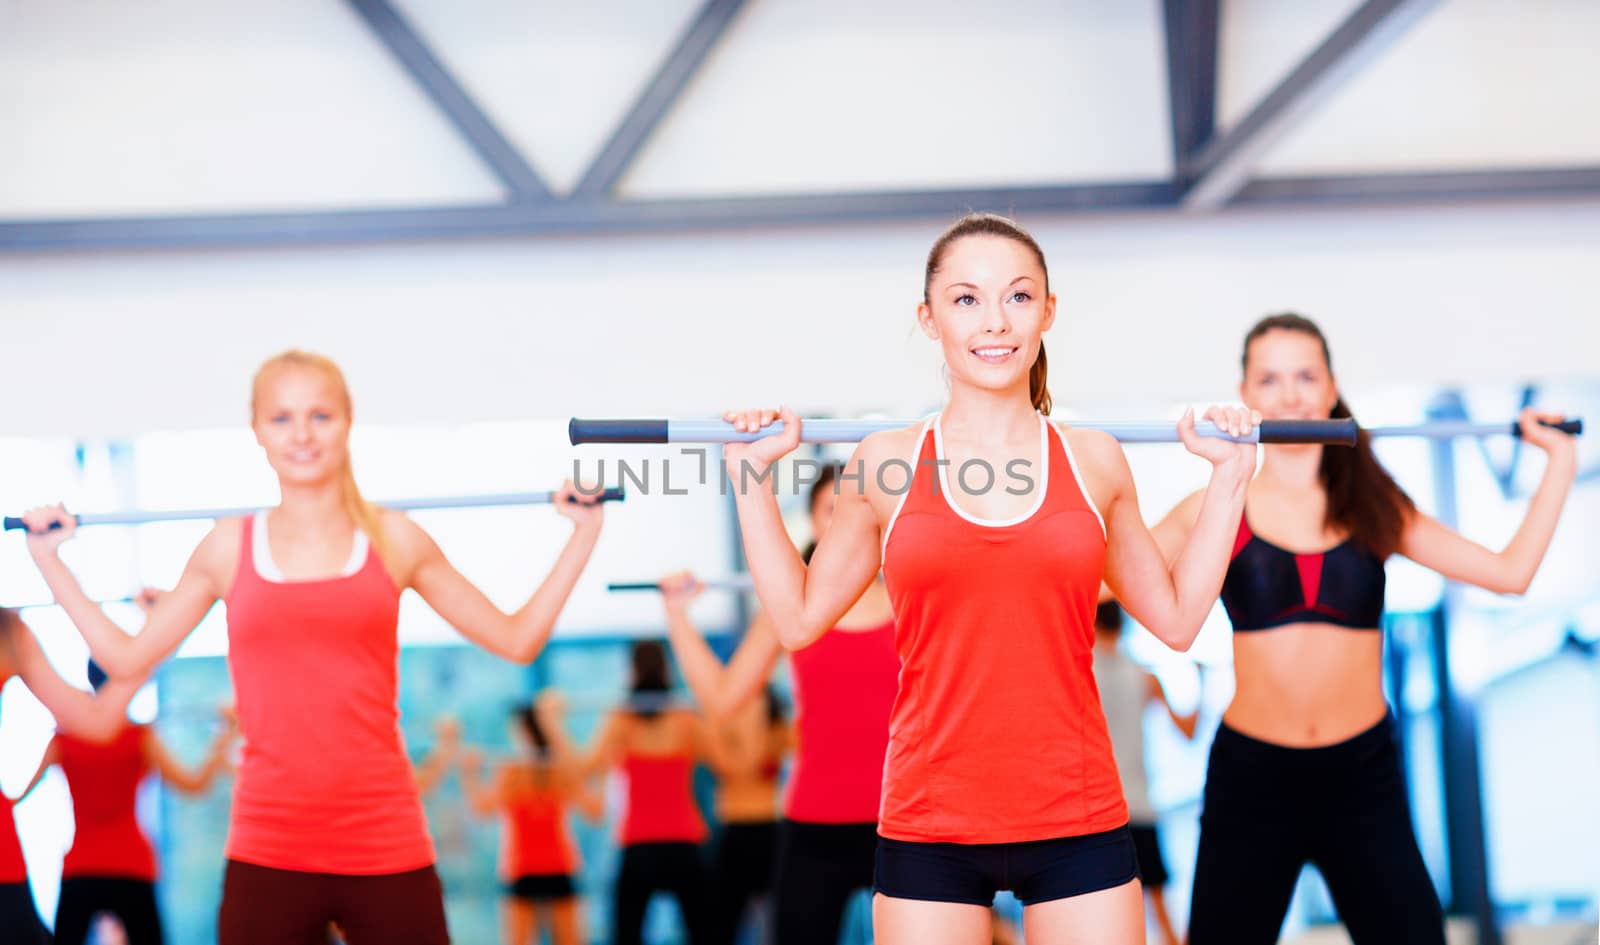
x,y
104,782
997,734
324,784
535,840
661,807
844,689
13,869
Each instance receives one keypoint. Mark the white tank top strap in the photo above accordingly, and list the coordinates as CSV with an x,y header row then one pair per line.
x,y
916,453
1077,476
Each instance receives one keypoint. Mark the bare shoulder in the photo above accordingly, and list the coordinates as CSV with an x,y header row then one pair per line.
x,y
877,451
1095,447
226,533
217,555
1099,457
885,445
408,544
614,723
400,531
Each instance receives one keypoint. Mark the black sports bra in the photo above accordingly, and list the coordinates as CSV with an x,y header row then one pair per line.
x,y
1268,586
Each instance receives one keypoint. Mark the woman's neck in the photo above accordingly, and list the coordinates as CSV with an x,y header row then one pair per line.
x,y
311,509
1292,468
990,417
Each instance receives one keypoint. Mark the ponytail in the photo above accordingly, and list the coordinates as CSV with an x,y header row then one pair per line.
x,y
1037,391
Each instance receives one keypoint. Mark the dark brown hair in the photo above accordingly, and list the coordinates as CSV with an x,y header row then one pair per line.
x,y
10,623
1363,499
992,224
826,477
529,720
652,678
1108,617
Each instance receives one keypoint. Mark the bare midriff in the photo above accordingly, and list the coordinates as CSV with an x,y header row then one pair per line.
x,y
1306,685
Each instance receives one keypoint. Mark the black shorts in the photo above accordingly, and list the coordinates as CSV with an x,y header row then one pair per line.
x,y
1147,844
542,887
1035,871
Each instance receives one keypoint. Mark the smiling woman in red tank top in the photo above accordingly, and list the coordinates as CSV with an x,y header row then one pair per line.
x,y
999,771
533,793
111,866
96,718
844,686
326,822
655,745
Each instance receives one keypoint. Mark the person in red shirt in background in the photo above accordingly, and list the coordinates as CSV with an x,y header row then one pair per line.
x,y
844,688
111,866
532,793
656,744
96,716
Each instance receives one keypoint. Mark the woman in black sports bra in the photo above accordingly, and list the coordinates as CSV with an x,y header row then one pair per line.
x,y
1305,766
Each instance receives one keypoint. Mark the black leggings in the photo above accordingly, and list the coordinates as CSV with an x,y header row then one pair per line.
x,y
649,868
820,866
19,920
742,872
132,901
1269,810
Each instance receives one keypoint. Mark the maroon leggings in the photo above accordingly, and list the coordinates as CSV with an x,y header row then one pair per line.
x,y
262,906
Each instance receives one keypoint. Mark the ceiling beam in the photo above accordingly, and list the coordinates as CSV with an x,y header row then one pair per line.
x,y
1228,161
503,158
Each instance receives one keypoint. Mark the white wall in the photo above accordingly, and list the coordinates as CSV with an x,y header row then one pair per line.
x,y
1153,307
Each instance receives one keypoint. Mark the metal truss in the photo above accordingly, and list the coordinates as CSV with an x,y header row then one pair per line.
x,y
1210,171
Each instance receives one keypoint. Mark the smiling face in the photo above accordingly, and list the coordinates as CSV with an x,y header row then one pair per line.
x,y
1286,376
988,305
301,418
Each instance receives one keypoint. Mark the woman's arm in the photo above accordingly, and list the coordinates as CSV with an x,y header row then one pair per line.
x,y
608,745
432,769
189,780
802,601
95,717
719,690
1172,600
591,804
481,799
1154,692
519,636
1510,570
173,617
566,758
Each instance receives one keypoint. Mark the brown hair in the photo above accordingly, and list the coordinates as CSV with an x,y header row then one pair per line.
x,y
363,512
1363,499
826,477
652,678
10,624
10,619
992,224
